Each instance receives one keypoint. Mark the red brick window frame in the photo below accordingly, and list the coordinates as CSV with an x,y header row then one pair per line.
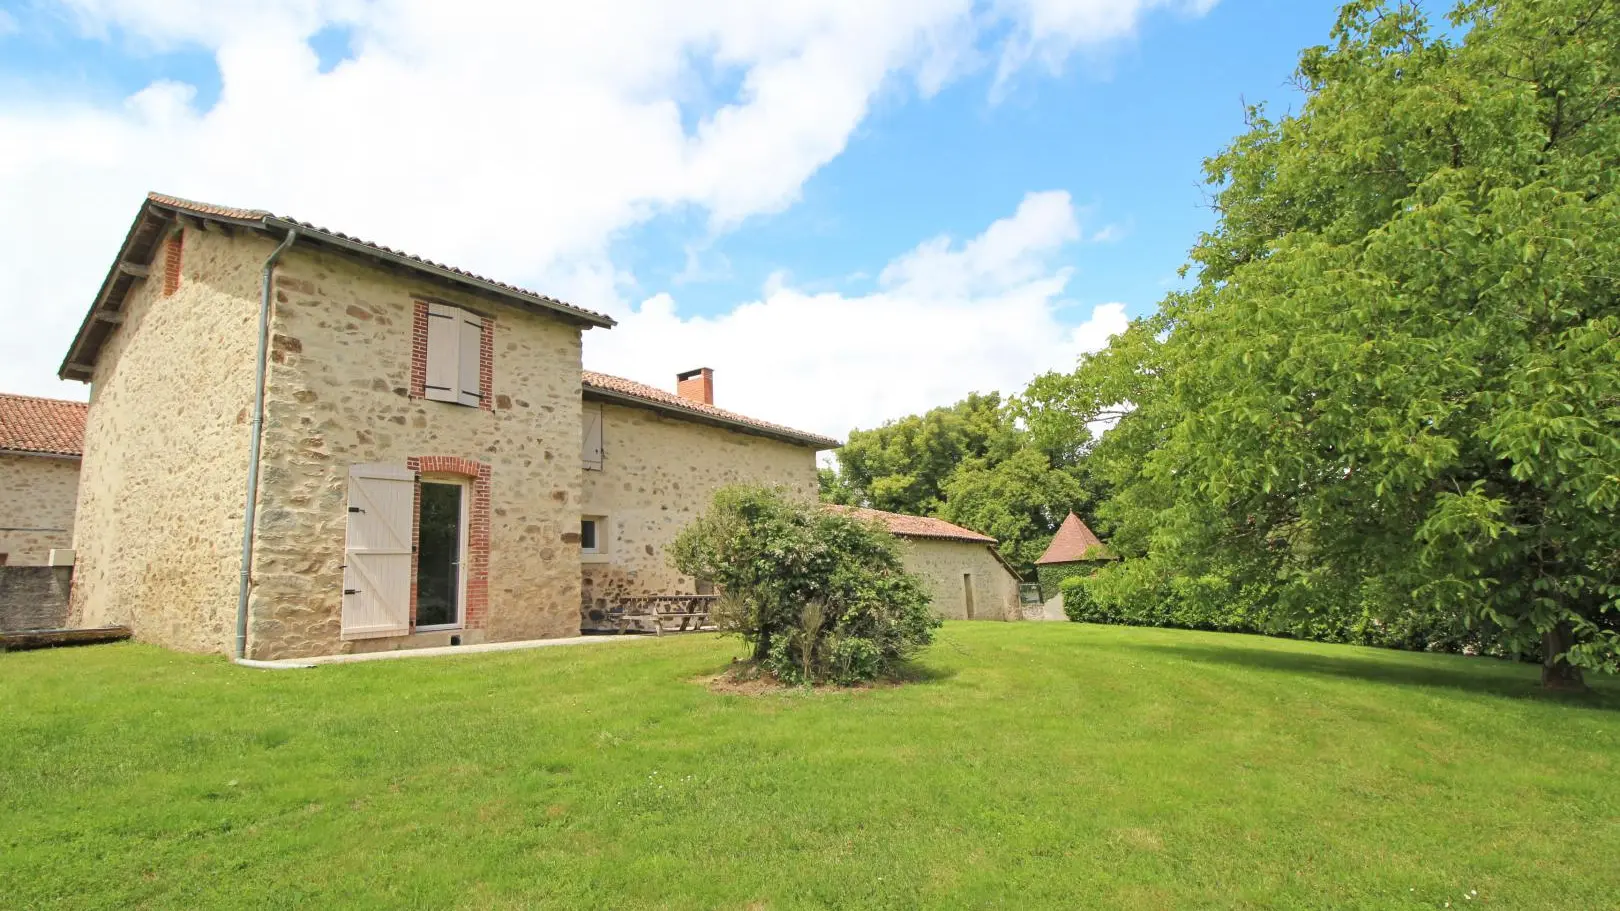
x,y
475,608
172,250
419,355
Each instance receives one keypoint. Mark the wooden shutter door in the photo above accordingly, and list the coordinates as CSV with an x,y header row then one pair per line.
x,y
469,375
443,353
377,566
591,441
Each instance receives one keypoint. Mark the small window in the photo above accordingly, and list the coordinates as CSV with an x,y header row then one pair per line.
x,y
592,530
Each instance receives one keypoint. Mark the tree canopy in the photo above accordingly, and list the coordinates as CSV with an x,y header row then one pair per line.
x,y
1394,386
969,463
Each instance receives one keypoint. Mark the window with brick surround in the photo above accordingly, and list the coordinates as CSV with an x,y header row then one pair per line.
x,y
591,436
451,355
171,262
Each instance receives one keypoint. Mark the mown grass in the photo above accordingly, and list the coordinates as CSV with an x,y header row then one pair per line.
x,y
1031,765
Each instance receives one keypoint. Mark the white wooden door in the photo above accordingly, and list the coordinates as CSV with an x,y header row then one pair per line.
x,y
377,565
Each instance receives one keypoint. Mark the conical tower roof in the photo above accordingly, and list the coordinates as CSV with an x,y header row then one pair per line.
x,y
1072,543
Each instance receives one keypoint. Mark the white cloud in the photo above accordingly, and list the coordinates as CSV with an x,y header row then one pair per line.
x,y
1107,234
1049,31
949,319
8,24
516,140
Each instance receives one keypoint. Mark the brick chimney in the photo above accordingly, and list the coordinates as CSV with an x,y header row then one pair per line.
x,y
696,385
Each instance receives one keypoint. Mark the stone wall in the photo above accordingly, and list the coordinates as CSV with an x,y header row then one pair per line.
x,y
658,474
941,564
339,394
37,498
34,597
158,533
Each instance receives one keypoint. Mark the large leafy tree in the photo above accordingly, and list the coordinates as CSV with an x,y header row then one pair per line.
x,y
1395,385
903,466
1020,501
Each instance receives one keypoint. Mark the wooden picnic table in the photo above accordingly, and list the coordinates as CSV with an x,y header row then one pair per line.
x,y
691,612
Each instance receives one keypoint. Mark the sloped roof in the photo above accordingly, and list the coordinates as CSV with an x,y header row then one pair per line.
x,y
1073,542
41,426
159,212
915,526
604,385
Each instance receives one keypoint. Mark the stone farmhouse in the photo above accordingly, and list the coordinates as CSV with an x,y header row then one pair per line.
x,y
40,444
964,572
300,443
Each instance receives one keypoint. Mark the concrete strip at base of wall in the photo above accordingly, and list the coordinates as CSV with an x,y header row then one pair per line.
x,y
481,649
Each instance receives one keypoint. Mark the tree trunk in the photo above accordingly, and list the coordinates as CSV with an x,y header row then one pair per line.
x,y
1556,673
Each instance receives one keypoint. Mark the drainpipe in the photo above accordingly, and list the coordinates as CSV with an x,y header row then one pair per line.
x,y
256,431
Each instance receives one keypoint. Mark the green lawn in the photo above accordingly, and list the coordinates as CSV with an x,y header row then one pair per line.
x,y
1034,765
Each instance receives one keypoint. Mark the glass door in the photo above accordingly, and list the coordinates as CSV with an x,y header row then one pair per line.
x,y
439,550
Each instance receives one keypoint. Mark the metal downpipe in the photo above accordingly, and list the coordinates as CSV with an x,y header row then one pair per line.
x,y
256,432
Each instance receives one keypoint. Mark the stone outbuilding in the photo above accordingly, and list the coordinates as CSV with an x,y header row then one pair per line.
x,y
300,443
41,441
964,572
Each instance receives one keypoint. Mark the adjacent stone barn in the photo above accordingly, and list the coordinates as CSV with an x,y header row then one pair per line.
x,y
41,441
653,461
964,572
424,473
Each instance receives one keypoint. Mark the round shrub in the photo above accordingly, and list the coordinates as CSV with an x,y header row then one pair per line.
x,y
820,596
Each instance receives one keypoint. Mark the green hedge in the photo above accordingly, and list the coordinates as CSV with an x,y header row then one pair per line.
x,y
1050,576
1211,604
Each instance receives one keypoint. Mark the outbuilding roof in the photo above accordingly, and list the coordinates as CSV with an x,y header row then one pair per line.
x,y
915,526
1072,543
160,212
41,426
606,386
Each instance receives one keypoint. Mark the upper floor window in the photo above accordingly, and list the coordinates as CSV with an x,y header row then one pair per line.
x,y
457,356
591,436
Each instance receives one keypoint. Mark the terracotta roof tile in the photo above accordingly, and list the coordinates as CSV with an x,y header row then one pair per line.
x,y
44,426
207,208
1073,542
260,215
669,400
914,526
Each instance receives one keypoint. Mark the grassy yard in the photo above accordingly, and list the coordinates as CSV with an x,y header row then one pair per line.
x,y
1052,765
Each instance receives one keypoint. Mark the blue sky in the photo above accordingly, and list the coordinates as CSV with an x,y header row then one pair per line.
x,y
1126,135
851,211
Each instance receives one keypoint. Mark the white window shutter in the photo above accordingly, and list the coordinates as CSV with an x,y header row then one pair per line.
x,y
472,360
444,353
591,440
377,562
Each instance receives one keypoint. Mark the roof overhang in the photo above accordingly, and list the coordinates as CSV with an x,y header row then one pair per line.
x,y
159,216
41,454
598,394
924,536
